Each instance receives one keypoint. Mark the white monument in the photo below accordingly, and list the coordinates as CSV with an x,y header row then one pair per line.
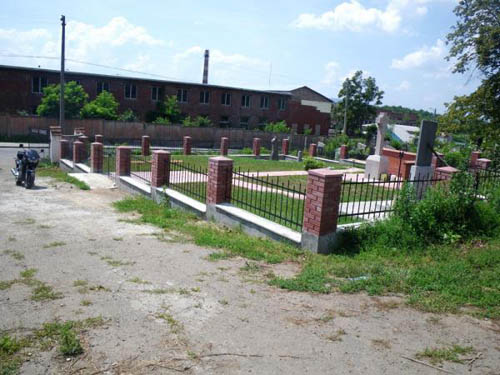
x,y
378,164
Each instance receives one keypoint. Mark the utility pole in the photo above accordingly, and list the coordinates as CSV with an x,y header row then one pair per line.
x,y
344,130
61,93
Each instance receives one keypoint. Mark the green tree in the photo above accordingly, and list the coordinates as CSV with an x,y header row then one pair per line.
x,y
362,96
104,106
475,44
75,98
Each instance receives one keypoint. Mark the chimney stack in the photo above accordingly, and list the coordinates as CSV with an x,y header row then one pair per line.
x,y
205,68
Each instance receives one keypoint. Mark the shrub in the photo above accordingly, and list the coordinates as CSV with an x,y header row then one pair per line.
x,y
310,163
128,116
104,106
199,121
70,344
277,127
246,151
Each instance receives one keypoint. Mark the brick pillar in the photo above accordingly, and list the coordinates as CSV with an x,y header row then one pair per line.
x,y
145,145
187,145
445,173
343,152
220,175
256,146
312,149
98,138
483,163
65,149
321,209
473,158
406,169
122,167
96,157
78,151
285,144
224,146
160,168
85,140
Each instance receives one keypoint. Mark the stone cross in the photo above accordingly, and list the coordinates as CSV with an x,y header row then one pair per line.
x,y
274,150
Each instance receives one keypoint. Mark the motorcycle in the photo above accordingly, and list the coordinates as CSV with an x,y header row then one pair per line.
x,y
26,163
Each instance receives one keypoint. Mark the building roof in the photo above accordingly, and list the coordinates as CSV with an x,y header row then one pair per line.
x,y
108,76
323,98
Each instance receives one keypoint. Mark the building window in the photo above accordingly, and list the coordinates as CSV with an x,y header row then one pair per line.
x,y
282,104
245,101
226,98
224,121
130,91
156,93
204,97
38,84
244,121
102,86
264,102
182,95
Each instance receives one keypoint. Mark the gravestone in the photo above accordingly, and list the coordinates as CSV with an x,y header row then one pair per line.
x,y
378,164
274,150
299,155
423,170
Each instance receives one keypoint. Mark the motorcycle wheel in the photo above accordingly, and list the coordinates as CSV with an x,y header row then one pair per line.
x,y
18,183
30,181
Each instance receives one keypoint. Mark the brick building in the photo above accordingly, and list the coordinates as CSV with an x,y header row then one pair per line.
x,y
21,89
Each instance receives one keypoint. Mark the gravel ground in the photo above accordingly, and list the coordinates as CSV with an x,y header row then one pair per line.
x,y
191,315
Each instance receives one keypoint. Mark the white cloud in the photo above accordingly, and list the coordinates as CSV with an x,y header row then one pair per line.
x,y
351,16
403,86
421,57
354,16
332,73
13,35
141,63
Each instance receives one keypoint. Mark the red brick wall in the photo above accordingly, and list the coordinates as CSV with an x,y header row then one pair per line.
x,y
395,160
220,172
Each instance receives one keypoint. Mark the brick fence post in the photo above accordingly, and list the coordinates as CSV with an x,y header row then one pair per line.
x,y
78,152
473,158
285,144
65,149
98,138
321,209
256,146
145,143
483,163
96,157
160,168
224,146
122,167
312,149
85,140
445,173
343,152
186,145
220,175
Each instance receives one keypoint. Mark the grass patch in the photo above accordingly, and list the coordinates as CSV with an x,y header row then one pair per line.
x,y
138,280
57,174
202,233
54,244
14,254
85,302
115,262
175,326
44,292
450,354
28,273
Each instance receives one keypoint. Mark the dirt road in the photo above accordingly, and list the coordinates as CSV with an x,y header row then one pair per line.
x,y
166,309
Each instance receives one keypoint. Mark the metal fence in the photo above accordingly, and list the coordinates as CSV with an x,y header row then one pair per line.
x,y
270,198
108,161
369,199
190,180
140,167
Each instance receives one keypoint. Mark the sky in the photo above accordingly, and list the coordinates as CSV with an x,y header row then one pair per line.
x,y
269,45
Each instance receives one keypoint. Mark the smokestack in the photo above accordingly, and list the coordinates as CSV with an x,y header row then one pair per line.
x,y
205,68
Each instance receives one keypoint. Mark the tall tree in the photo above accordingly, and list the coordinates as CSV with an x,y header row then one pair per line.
x,y
362,96
475,45
75,98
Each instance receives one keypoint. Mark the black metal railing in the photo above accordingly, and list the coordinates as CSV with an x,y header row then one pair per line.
x,y
109,161
190,180
266,196
140,167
